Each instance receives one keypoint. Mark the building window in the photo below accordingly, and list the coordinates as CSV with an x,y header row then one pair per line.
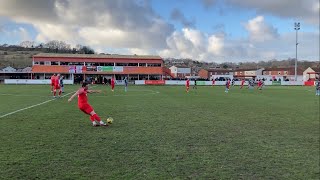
x,y
63,63
109,64
54,63
76,63
133,64
41,63
47,63
154,65
142,64
121,64
36,63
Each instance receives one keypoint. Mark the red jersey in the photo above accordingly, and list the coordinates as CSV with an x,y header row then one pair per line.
x,y
188,83
82,96
112,81
259,83
53,79
56,81
213,81
242,82
228,83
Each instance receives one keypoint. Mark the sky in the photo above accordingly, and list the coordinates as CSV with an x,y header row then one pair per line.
x,y
204,30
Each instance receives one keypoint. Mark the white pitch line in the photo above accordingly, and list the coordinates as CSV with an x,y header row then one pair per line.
x,y
19,95
5,115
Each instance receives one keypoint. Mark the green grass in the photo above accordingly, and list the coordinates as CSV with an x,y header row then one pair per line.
x,y
162,133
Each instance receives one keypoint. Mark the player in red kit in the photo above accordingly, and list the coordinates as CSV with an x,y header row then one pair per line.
x,y
187,85
242,83
213,82
227,86
53,77
57,86
85,107
260,84
112,84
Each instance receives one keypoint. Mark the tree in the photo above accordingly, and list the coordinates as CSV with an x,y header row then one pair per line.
x,y
86,50
225,66
58,46
27,44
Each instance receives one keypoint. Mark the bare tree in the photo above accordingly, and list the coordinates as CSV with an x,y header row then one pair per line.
x,y
27,44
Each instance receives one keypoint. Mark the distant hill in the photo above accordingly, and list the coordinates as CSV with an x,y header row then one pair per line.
x,y
16,59
21,57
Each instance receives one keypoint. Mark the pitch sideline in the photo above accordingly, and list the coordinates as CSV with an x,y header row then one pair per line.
x,y
5,115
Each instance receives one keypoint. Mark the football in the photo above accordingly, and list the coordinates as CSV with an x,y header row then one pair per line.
x,y
110,120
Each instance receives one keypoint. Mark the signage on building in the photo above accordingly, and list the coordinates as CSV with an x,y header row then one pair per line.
x,y
91,68
76,69
109,69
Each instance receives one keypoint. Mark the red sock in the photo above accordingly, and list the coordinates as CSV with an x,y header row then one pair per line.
x,y
92,118
59,93
54,93
96,117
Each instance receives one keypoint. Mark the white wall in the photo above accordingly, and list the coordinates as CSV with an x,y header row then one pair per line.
x,y
33,81
139,82
306,75
218,76
173,82
173,69
184,70
292,83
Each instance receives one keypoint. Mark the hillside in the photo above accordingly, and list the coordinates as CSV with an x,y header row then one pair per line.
x,y
20,57
16,59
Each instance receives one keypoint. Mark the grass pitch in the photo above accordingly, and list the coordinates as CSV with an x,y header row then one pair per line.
x,y
161,132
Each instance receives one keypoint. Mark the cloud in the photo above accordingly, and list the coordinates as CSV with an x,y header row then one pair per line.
x,y
306,10
23,11
259,31
263,43
191,43
303,10
132,27
121,23
208,3
177,15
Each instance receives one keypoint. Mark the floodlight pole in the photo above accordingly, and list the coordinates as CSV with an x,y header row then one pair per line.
x,y
296,27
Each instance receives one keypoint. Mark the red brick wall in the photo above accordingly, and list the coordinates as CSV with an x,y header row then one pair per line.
x,y
203,73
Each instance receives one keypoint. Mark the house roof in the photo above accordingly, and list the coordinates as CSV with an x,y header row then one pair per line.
x,y
103,56
279,69
245,70
317,69
219,70
182,66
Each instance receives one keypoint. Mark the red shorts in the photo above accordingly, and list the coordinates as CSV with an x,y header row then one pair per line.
x,y
86,108
52,83
112,86
56,87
